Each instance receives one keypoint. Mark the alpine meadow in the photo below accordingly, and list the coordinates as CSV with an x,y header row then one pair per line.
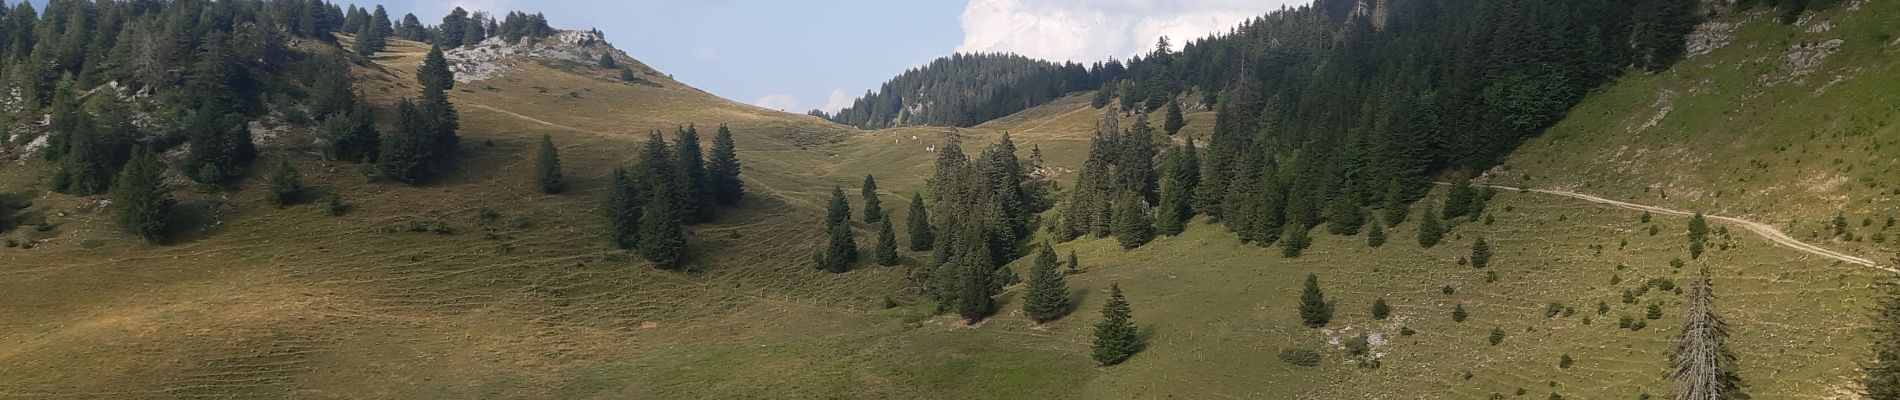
x,y
1342,199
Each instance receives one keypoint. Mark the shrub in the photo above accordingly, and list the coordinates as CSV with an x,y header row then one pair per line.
x,y
1447,289
1300,357
1358,345
1552,309
1407,331
1638,325
336,206
1380,310
1490,276
286,185
1565,361
1625,322
1616,279
1497,336
1458,313
1655,311
1602,307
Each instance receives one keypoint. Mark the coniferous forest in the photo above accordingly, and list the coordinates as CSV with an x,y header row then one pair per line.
x,y
1327,113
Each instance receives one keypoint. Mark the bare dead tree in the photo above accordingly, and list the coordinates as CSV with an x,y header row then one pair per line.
x,y
1701,361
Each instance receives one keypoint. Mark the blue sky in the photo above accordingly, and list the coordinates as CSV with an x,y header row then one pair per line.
x,y
800,55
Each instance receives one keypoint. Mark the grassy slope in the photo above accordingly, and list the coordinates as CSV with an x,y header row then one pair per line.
x,y
1737,132
294,303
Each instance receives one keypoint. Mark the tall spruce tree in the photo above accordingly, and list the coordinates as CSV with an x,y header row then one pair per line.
x,y
1089,210
975,274
662,236
886,250
1047,296
1133,228
353,19
1346,216
425,138
378,28
90,156
1459,200
434,73
141,202
1236,123
696,201
841,249
1175,120
547,167
452,30
405,153
722,169
921,234
1315,311
1135,164
873,208
1430,231
1116,337
623,209
1177,191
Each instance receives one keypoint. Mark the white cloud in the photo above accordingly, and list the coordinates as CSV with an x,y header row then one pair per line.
x,y
782,102
1091,30
838,101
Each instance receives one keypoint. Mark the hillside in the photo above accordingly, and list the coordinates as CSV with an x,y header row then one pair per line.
x,y
1788,125
257,301
478,286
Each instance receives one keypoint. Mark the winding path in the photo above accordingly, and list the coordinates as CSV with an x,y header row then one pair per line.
x,y
1766,231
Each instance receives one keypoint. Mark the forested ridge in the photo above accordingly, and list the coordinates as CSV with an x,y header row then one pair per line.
x,y
966,89
1338,113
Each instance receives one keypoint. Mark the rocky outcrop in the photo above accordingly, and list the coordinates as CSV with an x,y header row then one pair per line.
x,y
495,56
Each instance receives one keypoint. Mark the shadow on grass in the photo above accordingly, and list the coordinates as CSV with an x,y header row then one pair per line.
x,y
192,221
1074,303
1146,335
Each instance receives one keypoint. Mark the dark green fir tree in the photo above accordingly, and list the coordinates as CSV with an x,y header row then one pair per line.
x,y
142,204
1047,296
1116,337
547,167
